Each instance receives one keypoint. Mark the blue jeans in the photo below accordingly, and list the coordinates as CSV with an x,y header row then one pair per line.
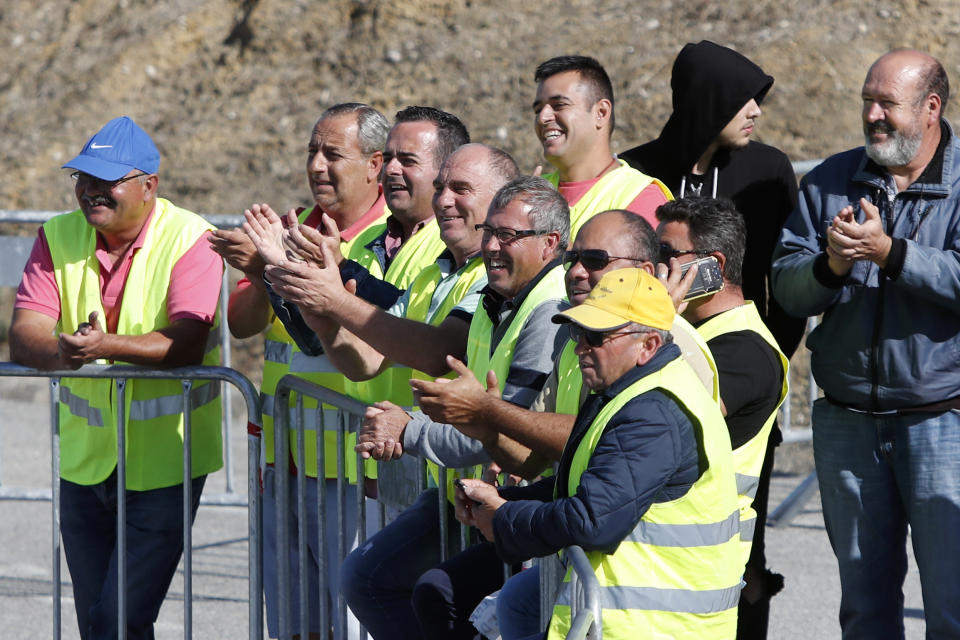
x,y
377,578
518,606
879,474
154,530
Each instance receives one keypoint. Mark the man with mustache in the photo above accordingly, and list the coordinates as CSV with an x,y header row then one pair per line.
x,y
573,119
128,278
873,246
344,162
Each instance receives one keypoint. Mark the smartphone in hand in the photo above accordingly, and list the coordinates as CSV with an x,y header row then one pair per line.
x,y
709,278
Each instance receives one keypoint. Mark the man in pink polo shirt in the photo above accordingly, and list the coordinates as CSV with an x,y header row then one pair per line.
x,y
127,278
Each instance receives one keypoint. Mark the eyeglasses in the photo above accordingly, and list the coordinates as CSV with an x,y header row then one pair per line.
x,y
506,235
591,259
667,252
106,185
594,338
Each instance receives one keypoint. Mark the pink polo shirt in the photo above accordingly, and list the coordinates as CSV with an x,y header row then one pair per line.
x,y
193,292
645,204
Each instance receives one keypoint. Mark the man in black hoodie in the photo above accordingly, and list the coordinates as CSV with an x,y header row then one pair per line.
x,y
705,149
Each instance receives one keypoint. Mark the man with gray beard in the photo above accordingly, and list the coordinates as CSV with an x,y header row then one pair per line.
x,y
874,246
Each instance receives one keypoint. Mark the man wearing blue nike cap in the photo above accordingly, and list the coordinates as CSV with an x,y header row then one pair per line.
x,y
128,278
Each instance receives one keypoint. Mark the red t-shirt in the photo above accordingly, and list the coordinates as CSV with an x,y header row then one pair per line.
x,y
645,204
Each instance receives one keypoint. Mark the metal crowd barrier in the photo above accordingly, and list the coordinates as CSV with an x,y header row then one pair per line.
x,y
121,374
400,483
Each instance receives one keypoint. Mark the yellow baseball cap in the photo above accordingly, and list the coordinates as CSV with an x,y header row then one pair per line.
x,y
623,296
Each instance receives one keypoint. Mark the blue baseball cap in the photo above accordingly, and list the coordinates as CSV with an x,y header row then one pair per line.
x,y
114,151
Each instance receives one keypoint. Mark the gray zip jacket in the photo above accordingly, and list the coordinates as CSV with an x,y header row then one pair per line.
x,y
889,338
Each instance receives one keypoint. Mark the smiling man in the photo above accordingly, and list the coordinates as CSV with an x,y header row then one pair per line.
x,y
705,149
573,119
128,278
523,236
873,246
645,484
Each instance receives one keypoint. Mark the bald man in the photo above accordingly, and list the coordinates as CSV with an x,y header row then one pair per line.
x,y
874,246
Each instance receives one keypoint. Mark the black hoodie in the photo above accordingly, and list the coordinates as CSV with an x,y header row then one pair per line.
x,y
710,85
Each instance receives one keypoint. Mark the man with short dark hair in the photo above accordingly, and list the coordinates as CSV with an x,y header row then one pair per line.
x,y
705,149
873,246
573,119
128,278
752,372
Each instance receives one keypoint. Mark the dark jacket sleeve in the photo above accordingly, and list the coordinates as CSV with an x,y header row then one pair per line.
x,y
370,288
636,456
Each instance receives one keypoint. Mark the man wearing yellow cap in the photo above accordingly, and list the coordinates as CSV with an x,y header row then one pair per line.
x,y
645,483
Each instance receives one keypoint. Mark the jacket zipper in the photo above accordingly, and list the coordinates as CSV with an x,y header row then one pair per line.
x,y
878,319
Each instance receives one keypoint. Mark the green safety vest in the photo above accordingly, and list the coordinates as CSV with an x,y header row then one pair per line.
x,y
282,356
418,307
614,190
480,359
677,574
570,387
88,407
418,252
748,457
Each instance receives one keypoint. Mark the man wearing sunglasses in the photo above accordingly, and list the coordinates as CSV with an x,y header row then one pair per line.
x,y
128,278
526,441
705,148
645,484
752,374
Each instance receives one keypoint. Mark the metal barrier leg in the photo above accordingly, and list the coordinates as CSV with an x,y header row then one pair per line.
x,y
254,536
322,542
187,512
303,590
792,504
55,490
121,509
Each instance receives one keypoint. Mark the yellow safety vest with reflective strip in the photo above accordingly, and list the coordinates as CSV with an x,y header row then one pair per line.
x,y
419,251
748,457
479,358
570,387
677,574
282,356
614,190
418,307
88,407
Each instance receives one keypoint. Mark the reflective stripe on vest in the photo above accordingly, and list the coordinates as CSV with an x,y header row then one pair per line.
x,y
80,407
173,405
330,415
615,190
654,584
88,411
685,535
302,363
275,351
748,457
673,600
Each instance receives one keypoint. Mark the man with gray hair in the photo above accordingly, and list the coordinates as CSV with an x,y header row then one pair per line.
x,y
873,246
511,345
344,161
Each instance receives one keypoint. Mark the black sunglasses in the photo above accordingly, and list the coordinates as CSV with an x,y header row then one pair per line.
x,y
594,338
667,252
591,259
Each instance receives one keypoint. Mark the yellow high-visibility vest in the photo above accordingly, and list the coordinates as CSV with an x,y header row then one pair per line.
x,y
677,574
88,407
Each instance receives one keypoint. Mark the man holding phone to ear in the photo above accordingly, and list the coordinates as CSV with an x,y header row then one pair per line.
x,y
751,368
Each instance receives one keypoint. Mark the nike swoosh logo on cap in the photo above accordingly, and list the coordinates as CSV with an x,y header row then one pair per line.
x,y
101,146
